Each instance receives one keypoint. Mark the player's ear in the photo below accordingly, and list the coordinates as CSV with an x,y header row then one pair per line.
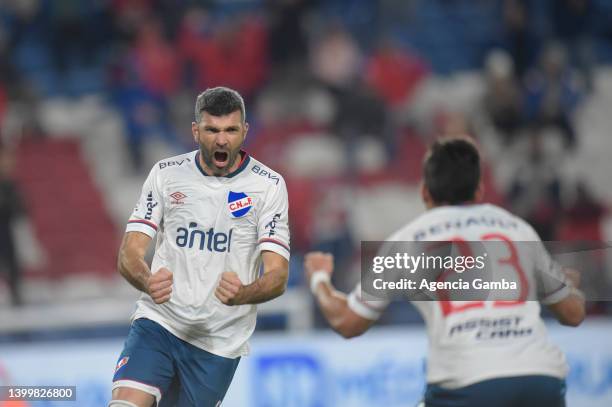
x,y
195,131
480,191
426,196
246,129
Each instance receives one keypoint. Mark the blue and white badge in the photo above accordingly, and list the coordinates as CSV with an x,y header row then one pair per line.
x,y
239,203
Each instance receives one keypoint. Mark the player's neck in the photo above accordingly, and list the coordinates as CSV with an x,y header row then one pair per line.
x,y
432,205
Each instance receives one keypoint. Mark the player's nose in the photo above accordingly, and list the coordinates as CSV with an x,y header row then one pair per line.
x,y
221,140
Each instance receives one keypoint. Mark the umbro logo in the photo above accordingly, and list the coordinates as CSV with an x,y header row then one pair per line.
x,y
177,198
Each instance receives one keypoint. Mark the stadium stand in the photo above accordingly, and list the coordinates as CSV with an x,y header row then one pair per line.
x,y
99,110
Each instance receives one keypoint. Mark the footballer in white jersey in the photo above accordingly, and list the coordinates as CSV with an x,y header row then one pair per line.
x,y
481,353
218,216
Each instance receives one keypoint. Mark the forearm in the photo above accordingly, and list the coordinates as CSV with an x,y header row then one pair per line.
x,y
134,269
333,305
270,285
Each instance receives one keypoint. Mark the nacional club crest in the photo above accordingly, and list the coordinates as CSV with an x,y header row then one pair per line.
x,y
239,203
122,363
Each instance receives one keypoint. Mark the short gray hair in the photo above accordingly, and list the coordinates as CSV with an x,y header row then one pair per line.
x,y
219,101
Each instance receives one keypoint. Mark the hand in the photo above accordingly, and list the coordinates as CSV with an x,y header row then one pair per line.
x,y
229,288
318,261
159,285
573,276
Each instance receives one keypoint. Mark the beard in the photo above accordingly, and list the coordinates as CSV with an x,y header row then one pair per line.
x,y
229,157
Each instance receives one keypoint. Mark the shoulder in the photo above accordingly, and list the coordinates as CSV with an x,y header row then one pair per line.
x,y
264,175
177,161
526,231
409,231
168,167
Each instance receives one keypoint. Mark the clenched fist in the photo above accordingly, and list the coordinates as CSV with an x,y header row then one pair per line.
x,y
318,261
159,285
229,288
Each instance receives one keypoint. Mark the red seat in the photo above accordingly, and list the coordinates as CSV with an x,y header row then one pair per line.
x,y
66,209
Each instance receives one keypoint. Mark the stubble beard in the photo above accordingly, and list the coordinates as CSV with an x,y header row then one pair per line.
x,y
207,157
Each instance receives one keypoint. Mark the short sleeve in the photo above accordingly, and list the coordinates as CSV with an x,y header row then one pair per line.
x,y
273,222
148,213
367,309
551,283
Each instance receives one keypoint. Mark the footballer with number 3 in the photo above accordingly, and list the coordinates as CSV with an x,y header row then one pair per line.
x,y
218,216
481,353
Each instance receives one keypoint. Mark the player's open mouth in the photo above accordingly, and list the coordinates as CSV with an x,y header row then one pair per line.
x,y
220,158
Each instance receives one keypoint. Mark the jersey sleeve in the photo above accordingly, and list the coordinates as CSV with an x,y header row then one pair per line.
x,y
148,213
367,309
551,283
273,223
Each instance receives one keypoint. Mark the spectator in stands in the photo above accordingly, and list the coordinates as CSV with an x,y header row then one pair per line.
x,y
582,219
360,113
128,15
452,123
503,100
194,33
11,207
572,22
147,76
287,35
519,38
156,63
10,79
78,28
335,60
535,193
580,230
233,52
394,73
553,93
145,117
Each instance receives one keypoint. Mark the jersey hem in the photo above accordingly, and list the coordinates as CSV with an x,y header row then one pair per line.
x,y
142,227
362,309
242,350
556,296
457,384
276,247
133,384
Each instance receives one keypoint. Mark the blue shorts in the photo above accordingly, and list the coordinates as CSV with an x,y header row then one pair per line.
x,y
519,391
174,371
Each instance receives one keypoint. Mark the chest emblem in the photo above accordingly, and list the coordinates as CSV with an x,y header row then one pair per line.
x,y
239,203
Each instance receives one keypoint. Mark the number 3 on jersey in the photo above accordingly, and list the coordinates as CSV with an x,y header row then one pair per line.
x,y
512,260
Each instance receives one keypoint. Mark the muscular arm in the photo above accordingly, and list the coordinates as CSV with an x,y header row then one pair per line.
x,y
571,310
341,318
131,263
267,287
135,270
271,284
333,303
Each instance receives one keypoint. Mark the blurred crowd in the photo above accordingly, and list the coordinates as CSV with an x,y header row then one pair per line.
x,y
334,91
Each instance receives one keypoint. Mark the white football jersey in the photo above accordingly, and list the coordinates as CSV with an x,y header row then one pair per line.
x,y
471,341
206,225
